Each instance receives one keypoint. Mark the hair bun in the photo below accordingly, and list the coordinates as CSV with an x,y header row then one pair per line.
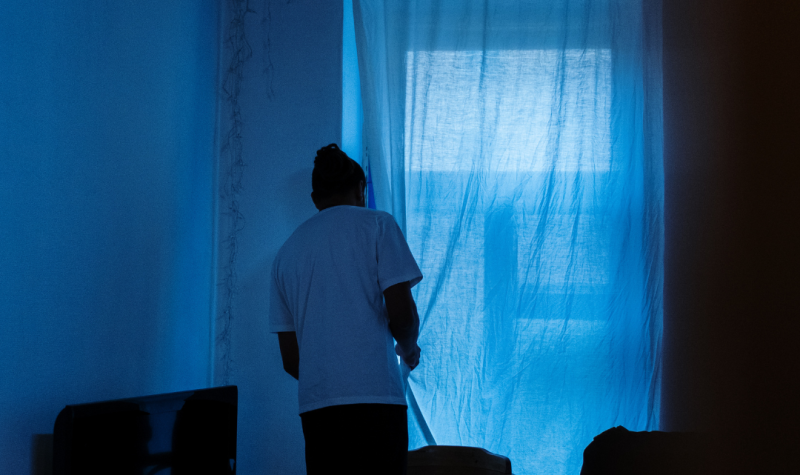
x,y
333,165
334,172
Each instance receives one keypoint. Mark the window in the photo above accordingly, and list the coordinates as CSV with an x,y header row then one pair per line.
x,y
528,166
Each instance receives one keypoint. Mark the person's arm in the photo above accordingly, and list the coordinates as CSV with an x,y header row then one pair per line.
x,y
290,353
403,322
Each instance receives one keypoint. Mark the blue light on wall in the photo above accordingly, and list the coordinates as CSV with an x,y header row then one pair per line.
x,y
352,113
106,198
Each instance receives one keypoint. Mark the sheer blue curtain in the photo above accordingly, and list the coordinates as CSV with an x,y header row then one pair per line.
x,y
519,144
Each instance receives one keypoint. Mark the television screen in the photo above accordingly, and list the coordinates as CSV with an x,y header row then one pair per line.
x,y
189,432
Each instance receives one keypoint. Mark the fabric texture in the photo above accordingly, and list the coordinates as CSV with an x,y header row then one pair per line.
x,y
519,146
356,439
328,282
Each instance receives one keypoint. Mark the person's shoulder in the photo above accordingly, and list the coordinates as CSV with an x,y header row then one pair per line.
x,y
356,210
369,213
358,213
307,229
383,220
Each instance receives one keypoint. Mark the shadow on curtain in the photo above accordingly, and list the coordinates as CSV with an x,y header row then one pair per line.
x,y
519,145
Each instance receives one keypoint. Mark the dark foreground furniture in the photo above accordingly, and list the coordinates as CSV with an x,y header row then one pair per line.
x,y
456,460
619,451
190,432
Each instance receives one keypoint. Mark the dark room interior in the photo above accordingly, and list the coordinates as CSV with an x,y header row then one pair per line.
x,y
133,246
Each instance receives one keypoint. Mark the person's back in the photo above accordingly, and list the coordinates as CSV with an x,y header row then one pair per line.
x,y
329,284
332,283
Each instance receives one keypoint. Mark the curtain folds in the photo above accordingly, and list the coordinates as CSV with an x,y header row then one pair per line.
x,y
518,144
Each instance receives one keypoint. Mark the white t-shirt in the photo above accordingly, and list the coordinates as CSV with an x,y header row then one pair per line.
x,y
327,286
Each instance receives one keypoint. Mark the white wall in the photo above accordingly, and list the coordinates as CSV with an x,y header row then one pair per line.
x,y
291,101
107,114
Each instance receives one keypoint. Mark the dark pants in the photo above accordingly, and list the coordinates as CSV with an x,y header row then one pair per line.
x,y
356,439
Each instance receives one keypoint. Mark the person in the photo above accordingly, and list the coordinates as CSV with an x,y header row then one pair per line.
x,y
341,292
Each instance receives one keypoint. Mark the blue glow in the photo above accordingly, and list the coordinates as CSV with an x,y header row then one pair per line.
x,y
534,306
510,141
352,114
106,136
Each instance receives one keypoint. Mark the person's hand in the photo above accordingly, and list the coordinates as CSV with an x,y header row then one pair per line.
x,y
411,359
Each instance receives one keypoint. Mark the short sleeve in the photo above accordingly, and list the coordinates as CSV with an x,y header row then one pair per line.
x,y
280,318
395,262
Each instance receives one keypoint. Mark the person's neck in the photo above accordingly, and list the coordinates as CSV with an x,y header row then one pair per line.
x,y
341,199
332,203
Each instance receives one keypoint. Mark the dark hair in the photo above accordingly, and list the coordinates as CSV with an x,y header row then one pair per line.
x,y
334,173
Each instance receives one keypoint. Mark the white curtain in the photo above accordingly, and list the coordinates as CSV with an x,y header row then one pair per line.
x,y
518,144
